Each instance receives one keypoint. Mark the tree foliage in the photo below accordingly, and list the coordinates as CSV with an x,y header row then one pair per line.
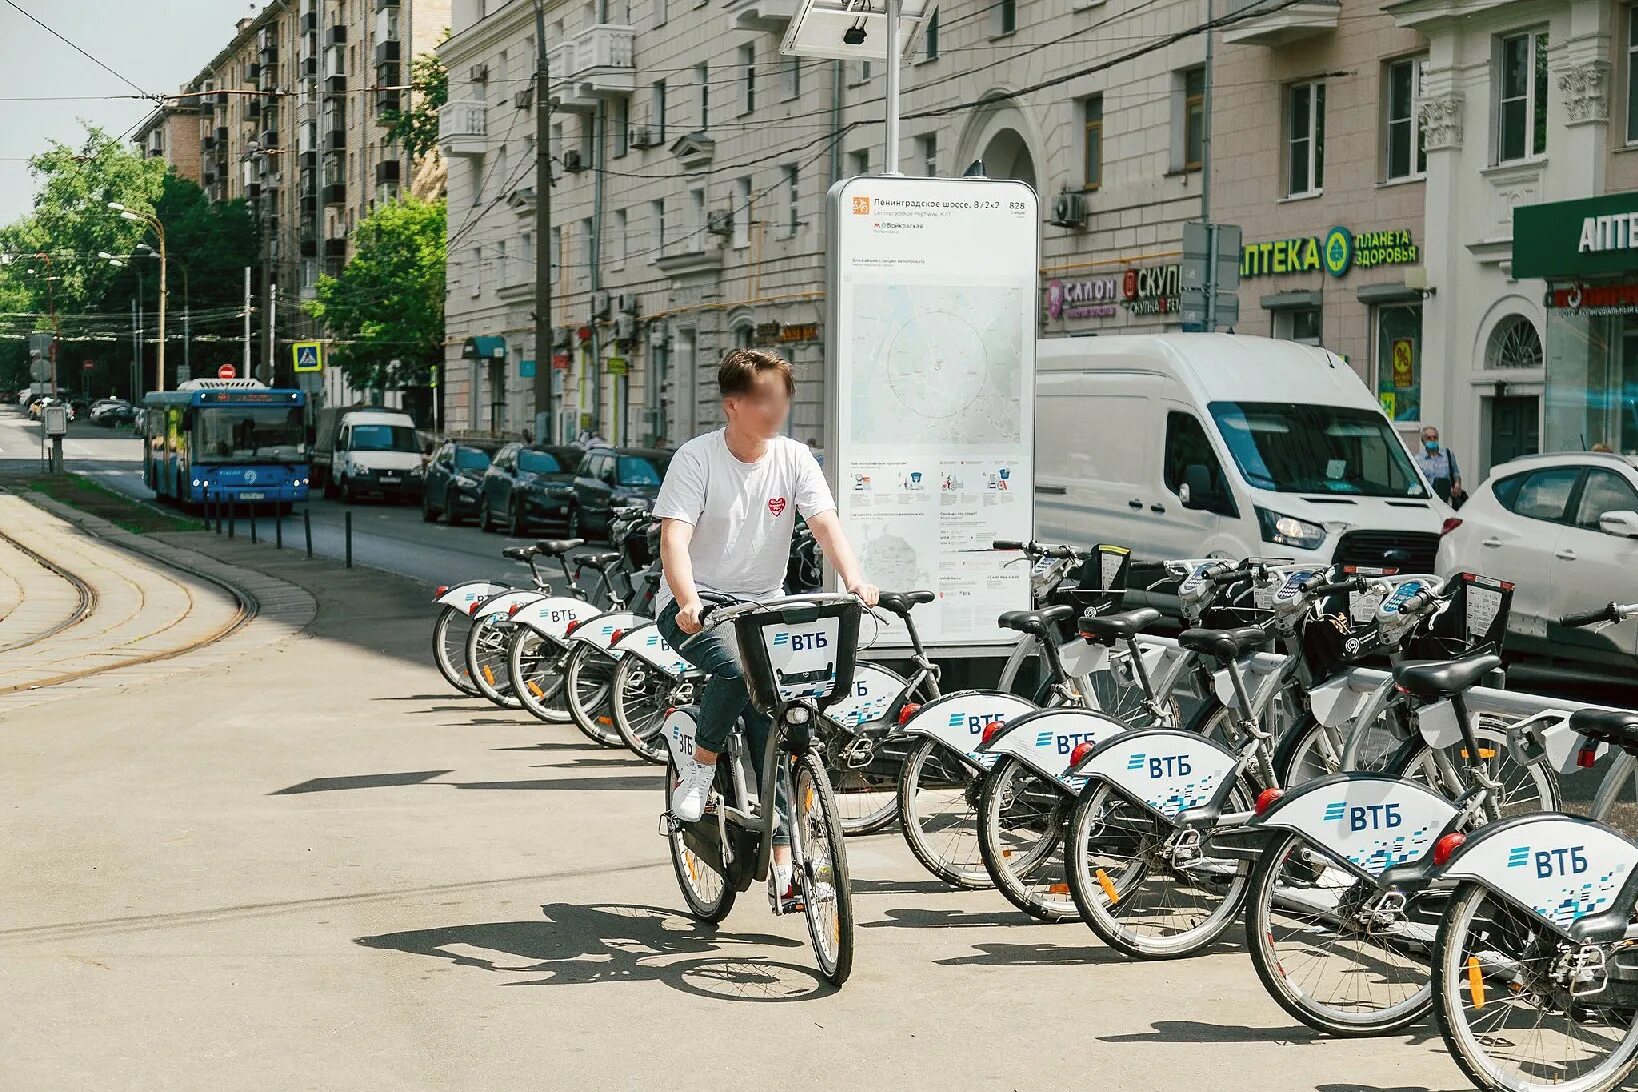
x,y
388,303
416,129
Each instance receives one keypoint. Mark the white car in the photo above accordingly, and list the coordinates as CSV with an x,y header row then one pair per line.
x,y
1563,529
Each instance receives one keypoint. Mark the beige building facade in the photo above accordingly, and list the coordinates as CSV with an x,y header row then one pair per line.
x,y
692,165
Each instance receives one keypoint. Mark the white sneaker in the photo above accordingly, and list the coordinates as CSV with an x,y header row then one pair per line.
x,y
692,790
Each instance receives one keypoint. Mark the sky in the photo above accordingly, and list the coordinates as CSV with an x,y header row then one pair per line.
x,y
157,44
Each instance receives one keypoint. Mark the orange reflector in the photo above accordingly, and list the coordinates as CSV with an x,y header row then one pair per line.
x,y
488,675
1058,889
1475,982
605,720
1005,853
1108,887
1484,752
534,688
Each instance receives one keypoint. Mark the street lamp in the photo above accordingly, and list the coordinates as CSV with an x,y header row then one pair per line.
x,y
159,229
136,323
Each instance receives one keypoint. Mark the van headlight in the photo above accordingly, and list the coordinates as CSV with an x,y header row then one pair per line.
x,y
1285,530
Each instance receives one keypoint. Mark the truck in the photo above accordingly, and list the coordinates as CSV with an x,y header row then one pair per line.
x,y
361,451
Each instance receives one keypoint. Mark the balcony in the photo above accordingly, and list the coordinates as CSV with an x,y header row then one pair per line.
x,y
269,53
386,52
253,74
335,68
1304,19
335,140
386,193
309,67
335,193
270,136
463,128
336,35
593,65
766,16
269,81
387,106
253,109
388,170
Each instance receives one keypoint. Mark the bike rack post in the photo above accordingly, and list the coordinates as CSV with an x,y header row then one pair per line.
x,y
307,529
348,520
252,524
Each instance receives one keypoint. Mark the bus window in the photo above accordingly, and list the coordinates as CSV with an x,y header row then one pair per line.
x,y
249,434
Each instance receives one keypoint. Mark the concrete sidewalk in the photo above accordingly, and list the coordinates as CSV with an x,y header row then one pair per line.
x,y
314,866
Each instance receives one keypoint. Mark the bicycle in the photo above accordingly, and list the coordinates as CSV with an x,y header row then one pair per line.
x,y
454,625
631,582
531,638
799,658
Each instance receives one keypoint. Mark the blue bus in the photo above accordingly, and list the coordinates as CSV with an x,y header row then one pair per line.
x,y
226,440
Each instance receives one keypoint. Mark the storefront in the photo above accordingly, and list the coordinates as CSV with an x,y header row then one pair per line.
x,y
1138,299
1587,253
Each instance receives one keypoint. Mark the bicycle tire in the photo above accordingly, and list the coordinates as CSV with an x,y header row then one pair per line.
x,y
588,686
959,869
1299,757
692,870
1618,776
825,880
1010,870
1095,892
446,637
1456,967
1022,652
848,784
488,649
540,692
639,709
1370,955
1412,763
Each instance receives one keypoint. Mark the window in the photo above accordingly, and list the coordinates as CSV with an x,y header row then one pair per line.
x,y
1186,446
1406,154
1521,103
1305,139
793,199
702,81
744,335
1399,360
741,212
1632,76
1194,118
1300,324
477,270
622,241
747,61
656,220
621,110
927,145
1092,148
1546,493
790,78
1006,16
656,110
661,12
930,38
1605,491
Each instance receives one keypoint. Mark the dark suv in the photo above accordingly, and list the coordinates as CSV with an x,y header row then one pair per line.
x,y
455,480
612,476
528,486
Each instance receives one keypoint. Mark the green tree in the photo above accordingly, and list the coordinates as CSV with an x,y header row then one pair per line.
x,y
417,128
388,303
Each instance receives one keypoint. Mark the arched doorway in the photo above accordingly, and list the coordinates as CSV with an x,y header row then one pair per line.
x,y
1007,155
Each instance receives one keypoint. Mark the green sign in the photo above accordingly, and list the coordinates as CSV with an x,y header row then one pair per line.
x,y
618,365
1336,252
1590,237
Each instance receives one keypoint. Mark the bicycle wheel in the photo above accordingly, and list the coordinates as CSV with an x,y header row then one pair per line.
x,y
1608,806
449,635
1024,670
639,698
1116,690
866,794
1309,752
1020,818
1130,891
1381,729
488,646
1504,1014
938,811
827,896
588,685
707,892
1525,790
1317,956
535,667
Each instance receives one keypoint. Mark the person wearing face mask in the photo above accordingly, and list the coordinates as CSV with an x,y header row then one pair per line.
x,y
1439,468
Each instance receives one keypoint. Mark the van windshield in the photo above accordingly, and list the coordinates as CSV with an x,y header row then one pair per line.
x,y
1316,449
383,438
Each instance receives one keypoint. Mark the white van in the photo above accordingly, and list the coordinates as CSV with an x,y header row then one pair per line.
x,y
371,452
1192,445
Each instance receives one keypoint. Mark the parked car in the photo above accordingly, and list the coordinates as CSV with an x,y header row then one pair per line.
x,y
612,476
37,407
1563,529
454,480
109,412
528,487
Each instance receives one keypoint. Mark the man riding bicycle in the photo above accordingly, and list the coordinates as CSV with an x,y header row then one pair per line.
x,y
728,510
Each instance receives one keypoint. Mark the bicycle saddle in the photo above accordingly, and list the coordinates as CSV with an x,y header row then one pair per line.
x,y
518,553
1118,626
555,546
1435,679
1225,644
599,561
901,602
1035,621
1615,726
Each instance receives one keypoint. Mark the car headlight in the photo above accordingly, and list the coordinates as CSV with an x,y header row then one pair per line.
x,y
1285,530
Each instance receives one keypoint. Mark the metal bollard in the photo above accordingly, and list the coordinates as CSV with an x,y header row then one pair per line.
x,y
307,528
278,528
253,525
349,532
233,518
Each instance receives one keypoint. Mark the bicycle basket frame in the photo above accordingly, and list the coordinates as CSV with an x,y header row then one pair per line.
x,y
805,651
1475,620
1099,582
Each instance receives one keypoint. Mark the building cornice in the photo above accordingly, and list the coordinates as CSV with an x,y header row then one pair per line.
x,y
514,20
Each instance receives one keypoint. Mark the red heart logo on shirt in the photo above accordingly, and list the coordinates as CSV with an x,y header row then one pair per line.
x,y
776,505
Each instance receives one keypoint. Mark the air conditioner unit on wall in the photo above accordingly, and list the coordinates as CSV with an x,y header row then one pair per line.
x,y
600,305
523,98
1069,209
720,223
478,73
572,163
625,327
628,304
643,137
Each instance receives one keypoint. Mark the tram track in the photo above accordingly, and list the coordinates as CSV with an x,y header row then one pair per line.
x,y
86,595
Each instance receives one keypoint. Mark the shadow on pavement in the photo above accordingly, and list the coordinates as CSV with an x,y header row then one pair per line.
x,y
585,745
1032,955
945,919
579,945
1194,1031
360,781
642,782
899,887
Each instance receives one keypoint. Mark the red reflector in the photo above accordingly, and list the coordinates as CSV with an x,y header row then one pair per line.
x,y
573,625
1587,757
1450,525
511,611
910,709
669,710
992,729
473,609
1266,799
1080,752
443,590
1445,847
614,638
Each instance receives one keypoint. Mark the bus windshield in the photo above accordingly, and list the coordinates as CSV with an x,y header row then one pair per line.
x,y
382,438
249,434
1292,448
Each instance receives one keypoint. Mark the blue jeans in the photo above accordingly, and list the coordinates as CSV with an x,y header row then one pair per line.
x,y
724,700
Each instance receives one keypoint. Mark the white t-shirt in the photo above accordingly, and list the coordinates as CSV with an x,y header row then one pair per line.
x,y
743,513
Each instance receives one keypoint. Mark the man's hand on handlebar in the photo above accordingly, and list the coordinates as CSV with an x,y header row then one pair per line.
x,y
867,592
688,616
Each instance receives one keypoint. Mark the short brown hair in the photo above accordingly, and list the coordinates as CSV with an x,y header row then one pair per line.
x,y
741,367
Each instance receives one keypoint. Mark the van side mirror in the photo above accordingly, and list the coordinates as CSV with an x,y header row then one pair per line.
x,y
1196,492
1621,524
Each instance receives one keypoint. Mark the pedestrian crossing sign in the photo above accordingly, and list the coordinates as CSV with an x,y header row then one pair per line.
x,y
309,356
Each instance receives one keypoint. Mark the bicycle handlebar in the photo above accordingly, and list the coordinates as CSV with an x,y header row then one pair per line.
x,y
1039,549
1609,612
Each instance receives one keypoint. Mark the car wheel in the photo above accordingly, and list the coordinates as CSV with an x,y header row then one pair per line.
x,y
348,496
514,520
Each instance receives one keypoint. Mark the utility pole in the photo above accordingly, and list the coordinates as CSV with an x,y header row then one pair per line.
x,y
267,331
1205,181
245,369
545,411
136,352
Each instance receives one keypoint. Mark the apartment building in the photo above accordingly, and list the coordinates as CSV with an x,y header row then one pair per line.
x,y
692,164
171,133
287,115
